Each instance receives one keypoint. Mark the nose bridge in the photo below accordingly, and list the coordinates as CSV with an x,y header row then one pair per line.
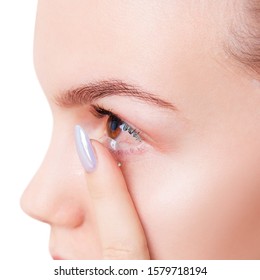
x,y
55,194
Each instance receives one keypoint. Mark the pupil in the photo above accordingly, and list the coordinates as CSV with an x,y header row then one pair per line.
x,y
113,127
114,124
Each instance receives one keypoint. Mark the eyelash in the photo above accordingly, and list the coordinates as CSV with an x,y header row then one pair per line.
x,y
119,148
100,113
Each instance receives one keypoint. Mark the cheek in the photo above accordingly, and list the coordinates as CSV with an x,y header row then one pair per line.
x,y
163,195
199,204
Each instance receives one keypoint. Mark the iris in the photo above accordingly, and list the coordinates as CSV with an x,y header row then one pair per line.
x,y
113,127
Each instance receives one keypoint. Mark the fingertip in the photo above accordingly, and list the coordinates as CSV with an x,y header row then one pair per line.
x,y
95,157
104,157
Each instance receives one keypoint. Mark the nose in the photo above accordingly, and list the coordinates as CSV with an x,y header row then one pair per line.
x,y
56,195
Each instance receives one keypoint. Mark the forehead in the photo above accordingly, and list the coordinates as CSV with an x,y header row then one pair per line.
x,y
90,40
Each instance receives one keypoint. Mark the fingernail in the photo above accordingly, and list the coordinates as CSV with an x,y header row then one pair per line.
x,y
85,149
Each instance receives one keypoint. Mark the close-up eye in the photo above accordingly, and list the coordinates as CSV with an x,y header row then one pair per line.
x,y
114,127
118,136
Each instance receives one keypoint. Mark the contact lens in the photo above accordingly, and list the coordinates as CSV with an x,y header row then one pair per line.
x,y
110,143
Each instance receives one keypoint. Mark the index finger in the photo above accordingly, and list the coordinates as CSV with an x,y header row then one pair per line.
x,y
120,230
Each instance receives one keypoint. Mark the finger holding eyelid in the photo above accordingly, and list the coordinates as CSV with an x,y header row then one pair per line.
x,y
120,230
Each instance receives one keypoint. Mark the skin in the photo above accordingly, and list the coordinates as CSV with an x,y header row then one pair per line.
x,y
193,193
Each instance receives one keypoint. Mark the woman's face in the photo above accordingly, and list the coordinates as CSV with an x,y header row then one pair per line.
x,y
194,173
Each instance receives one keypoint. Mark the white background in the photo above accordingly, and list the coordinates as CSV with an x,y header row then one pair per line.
x,y
25,129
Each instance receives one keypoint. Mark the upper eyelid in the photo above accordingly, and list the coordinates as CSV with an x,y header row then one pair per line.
x,y
100,112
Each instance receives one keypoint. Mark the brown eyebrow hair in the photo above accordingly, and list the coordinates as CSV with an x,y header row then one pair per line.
x,y
87,94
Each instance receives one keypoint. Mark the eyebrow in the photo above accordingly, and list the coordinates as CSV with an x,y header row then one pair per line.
x,y
91,92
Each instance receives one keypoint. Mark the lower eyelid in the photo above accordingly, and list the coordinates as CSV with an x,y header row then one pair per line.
x,y
126,154
121,152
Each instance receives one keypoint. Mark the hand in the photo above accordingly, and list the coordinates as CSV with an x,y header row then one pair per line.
x,y
120,230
